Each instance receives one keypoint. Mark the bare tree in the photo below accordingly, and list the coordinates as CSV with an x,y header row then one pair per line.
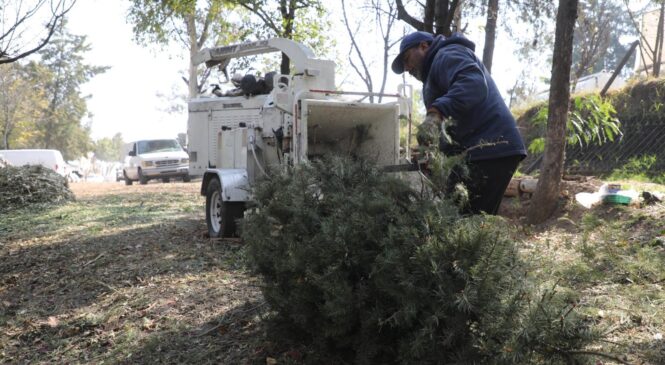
x,y
282,23
595,24
546,197
19,37
389,15
385,18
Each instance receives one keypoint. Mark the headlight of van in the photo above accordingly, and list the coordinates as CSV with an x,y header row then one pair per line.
x,y
147,163
184,160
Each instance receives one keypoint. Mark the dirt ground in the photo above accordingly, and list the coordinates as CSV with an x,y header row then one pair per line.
x,y
127,274
84,190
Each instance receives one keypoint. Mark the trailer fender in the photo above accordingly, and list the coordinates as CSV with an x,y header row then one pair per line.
x,y
234,183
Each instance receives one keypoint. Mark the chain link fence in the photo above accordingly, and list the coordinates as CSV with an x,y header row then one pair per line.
x,y
639,139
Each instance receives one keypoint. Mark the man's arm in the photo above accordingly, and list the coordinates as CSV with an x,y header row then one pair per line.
x,y
458,72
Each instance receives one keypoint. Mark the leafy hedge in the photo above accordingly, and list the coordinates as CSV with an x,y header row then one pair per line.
x,y
375,272
594,145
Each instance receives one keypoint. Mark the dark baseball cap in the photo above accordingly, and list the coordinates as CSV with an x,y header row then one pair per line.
x,y
408,42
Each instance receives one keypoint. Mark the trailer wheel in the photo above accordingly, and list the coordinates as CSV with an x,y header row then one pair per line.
x,y
221,215
142,179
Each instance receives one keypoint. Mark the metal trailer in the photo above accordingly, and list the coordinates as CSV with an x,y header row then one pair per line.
x,y
233,140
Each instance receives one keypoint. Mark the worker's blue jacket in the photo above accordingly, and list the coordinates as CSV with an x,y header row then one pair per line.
x,y
458,85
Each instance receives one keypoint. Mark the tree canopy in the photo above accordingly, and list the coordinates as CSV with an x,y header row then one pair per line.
x,y
42,102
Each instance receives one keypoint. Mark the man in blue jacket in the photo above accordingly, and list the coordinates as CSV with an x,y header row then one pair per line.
x,y
458,89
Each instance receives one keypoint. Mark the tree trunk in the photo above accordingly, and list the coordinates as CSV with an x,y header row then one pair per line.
x,y
288,10
192,82
658,52
546,197
5,137
437,15
440,15
455,17
428,16
490,33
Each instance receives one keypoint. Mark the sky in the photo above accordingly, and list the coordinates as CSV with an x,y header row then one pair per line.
x,y
125,98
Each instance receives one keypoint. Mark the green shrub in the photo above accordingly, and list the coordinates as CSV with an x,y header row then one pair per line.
x,y
640,102
374,272
639,168
591,120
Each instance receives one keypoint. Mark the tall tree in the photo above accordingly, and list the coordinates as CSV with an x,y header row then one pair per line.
x,y
19,37
292,19
60,127
592,35
597,46
531,46
21,104
185,22
546,197
110,149
384,19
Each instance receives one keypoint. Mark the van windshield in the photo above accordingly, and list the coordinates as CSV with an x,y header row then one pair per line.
x,y
158,145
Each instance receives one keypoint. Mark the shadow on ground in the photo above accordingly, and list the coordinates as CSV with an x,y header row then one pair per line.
x,y
134,281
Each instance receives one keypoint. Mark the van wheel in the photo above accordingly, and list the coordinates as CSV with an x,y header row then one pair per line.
x,y
166,179
221,216
142,179
128,181
186,178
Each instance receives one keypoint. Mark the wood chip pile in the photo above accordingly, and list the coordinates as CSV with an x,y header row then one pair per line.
x,y
27,185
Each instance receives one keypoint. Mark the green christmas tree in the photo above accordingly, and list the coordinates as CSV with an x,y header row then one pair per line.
x,y
375,271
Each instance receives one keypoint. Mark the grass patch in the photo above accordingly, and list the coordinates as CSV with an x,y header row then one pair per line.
x,y
616,260
639,169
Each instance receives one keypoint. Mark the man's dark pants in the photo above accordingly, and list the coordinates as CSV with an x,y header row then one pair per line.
x,y
486,182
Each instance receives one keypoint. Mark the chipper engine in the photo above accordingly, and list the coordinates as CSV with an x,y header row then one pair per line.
x,y
239,136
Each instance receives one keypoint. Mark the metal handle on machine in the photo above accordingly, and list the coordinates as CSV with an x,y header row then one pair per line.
x,y
252,141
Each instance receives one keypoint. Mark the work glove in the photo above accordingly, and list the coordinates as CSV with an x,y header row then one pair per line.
x,y
429,131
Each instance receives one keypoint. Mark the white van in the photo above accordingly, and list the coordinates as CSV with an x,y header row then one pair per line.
x,y
51,159
156,159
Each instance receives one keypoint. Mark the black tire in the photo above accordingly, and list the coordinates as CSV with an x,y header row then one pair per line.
x,y
142,179
221,216
186,178
128,181
166,179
